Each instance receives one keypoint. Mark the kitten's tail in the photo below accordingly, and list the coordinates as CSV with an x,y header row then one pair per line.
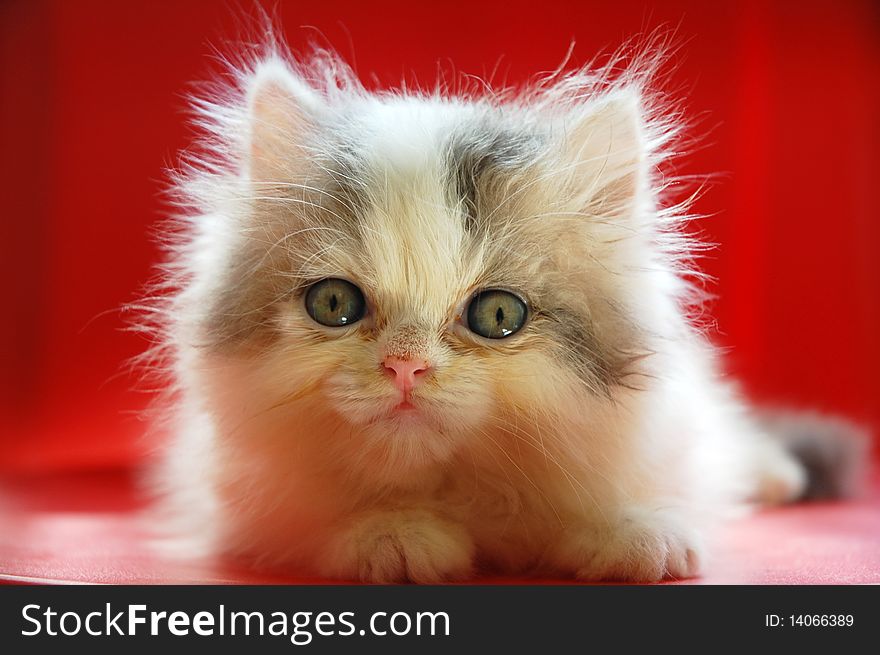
x,y
830,452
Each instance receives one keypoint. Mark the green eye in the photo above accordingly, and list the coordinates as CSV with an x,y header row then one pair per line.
x,y
335,303
496,314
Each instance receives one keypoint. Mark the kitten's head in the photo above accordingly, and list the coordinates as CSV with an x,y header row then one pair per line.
x,y
416,274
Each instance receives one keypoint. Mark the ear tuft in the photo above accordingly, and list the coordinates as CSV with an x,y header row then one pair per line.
x,y
608,148
282,109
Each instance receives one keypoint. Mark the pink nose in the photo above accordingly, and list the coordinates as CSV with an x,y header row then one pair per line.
x,y
406,372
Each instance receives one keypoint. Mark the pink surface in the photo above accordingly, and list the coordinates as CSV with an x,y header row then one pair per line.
x,y
84,528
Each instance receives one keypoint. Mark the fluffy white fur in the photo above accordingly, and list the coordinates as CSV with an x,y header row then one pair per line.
x,y
525,456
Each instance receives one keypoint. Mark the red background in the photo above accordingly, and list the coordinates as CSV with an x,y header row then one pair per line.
x,y
92,110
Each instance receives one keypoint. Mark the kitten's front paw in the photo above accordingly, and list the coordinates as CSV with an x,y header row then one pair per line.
x,y
400,546
643,545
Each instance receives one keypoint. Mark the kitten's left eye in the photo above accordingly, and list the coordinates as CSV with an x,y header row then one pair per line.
x,y
496,314
335,303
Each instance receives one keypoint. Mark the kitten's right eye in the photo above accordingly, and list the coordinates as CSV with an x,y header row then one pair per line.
x,y
335,303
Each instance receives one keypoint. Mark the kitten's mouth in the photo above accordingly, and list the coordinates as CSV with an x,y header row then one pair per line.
x,y
405,414
404,406
406,409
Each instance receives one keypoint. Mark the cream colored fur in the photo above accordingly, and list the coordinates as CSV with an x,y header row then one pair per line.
x,y
525,456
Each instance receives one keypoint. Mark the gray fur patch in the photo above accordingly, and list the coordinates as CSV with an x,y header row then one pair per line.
x,y
480,163
291,222
601,366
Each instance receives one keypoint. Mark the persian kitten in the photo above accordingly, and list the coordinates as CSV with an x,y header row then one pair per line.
x,y
419,334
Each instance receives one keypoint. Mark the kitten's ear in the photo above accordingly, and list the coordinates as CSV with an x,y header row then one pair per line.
x,y
607,152
282,110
